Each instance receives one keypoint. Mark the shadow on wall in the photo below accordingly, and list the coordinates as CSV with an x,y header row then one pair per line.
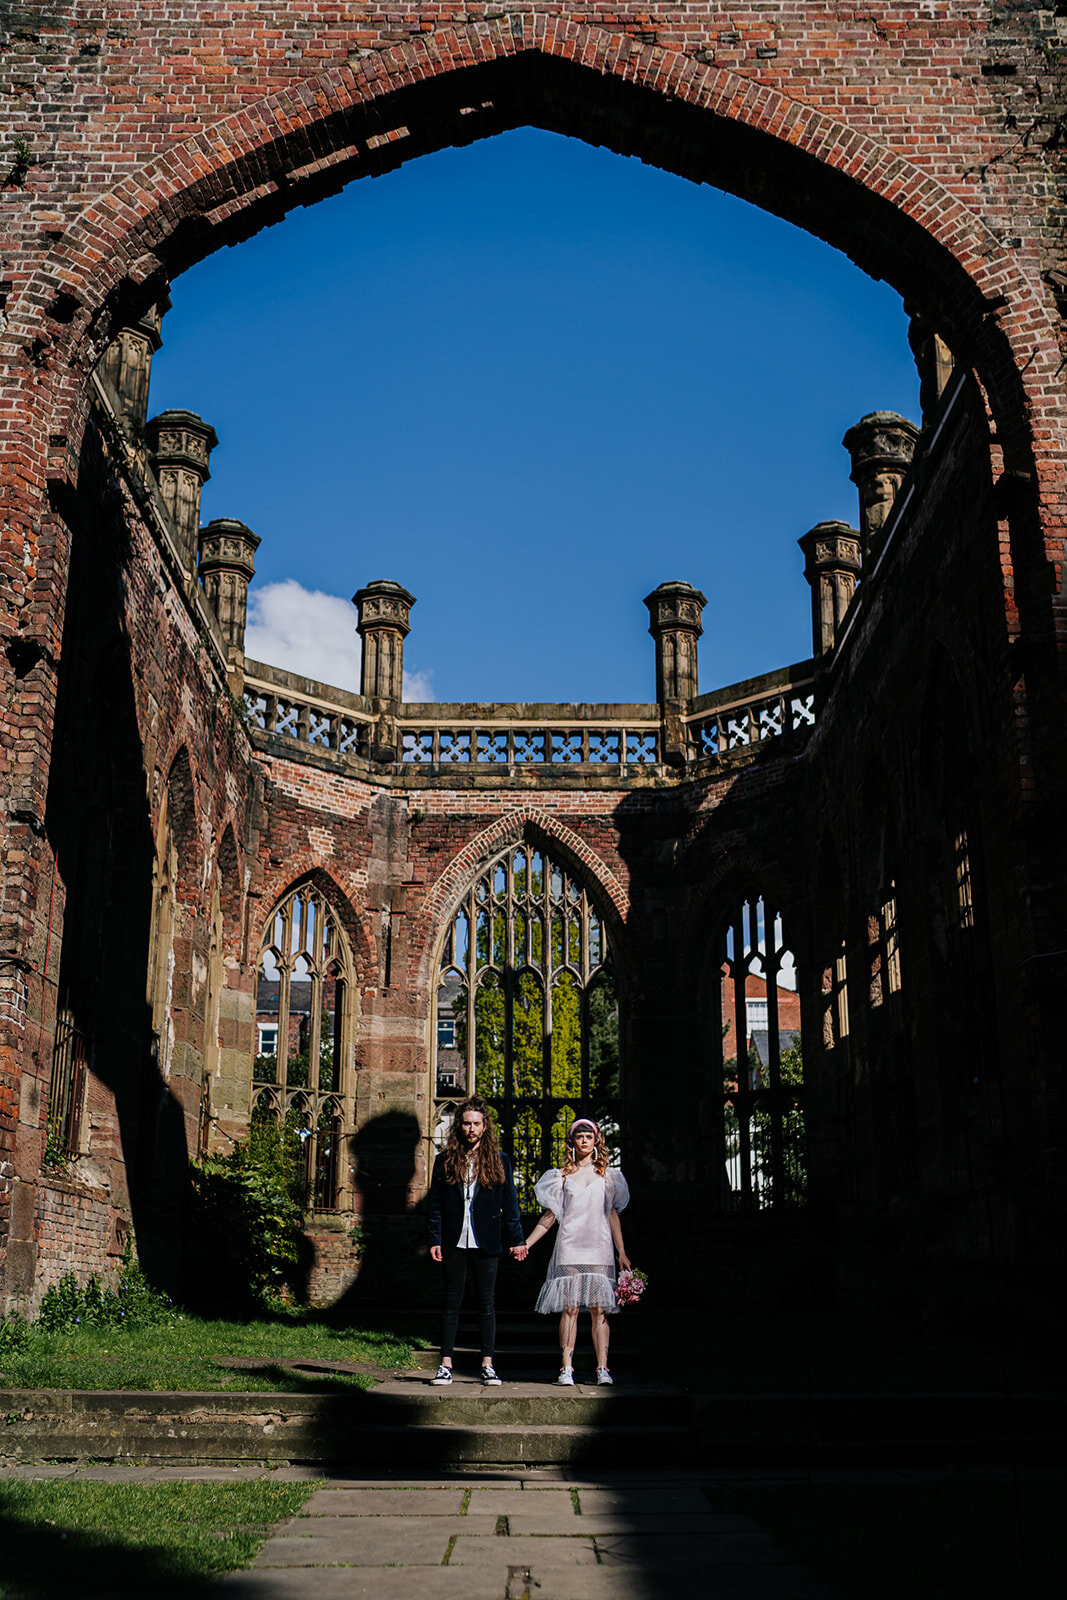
x,y
99,825
394,1264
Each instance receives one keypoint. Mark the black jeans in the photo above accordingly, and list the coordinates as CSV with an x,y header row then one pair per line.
x,y
483,1270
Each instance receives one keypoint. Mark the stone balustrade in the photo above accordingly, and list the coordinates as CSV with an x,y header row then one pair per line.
x,y
779,705
617,737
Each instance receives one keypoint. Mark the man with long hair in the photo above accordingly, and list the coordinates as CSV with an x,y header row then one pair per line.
x,y
473,1210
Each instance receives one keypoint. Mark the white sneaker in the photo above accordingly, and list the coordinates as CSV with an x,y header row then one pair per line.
x,y
442,1375
603,1375
566,1376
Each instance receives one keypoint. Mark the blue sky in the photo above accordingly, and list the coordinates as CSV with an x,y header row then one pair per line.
x,y
530,380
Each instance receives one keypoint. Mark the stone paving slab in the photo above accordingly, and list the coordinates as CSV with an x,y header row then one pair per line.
x,y
644,1500
523,1552
401,1500
365,1542
209,1474
610,1525
116,1472
503,1502
674,1583
753,1547
363,1583
44,1469
363,1527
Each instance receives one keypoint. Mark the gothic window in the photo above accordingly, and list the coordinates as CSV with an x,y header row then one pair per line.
x,y
762,1066
161,966
527,1010
300,1080
961,873
835,1000
212,1011
883,938
66,1096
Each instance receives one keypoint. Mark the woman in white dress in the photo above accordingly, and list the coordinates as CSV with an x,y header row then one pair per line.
x,y
585,1197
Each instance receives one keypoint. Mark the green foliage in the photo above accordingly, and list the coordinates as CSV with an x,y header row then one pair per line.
x,y
604,1038
247,1217
56,1155
14,1334
24,160
761,1125
69,1304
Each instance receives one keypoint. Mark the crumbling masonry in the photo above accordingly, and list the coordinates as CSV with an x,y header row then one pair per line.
x,y
416,892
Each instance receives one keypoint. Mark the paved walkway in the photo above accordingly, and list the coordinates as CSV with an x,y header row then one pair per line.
x,y
497,1534
496,1537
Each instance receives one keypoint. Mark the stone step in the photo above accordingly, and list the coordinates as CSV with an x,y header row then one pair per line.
x,y
405,1420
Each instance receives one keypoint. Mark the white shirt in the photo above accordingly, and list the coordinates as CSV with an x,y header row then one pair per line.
x,y
467,1240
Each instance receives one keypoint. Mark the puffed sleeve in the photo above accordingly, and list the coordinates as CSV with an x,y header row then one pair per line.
x,y
618,1189
549,1192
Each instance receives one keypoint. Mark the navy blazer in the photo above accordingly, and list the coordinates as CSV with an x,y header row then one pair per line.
x,y
494,1212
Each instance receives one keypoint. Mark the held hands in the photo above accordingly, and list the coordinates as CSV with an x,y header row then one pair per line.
x,y
520,1251
435,1252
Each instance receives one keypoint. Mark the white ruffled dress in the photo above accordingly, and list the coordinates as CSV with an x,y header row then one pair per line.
x,y
582,1269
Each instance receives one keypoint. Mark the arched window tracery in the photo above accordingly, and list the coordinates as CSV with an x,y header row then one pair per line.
x,y
762,1066
301,1077
527,1009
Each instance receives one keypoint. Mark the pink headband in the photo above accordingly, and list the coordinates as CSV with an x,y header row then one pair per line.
x,y
582,1122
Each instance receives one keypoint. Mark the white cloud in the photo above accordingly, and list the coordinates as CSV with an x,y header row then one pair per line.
x,y
418,686
314,634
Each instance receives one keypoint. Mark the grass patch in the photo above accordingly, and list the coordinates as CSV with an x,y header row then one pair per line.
x,y
929,1539
187,1352
80,1538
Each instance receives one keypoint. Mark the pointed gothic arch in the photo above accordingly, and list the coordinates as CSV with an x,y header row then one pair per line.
x,y
752,1055
525,1009
303,1076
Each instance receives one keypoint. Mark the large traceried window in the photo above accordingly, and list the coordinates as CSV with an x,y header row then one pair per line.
x,y
763,1072
527,1010
301,1078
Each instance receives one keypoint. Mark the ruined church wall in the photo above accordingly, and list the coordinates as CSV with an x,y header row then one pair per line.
x,y
927,143
143,719
931,1118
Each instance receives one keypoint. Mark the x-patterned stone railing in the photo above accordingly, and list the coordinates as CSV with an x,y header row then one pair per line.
x,y
778,705
437,738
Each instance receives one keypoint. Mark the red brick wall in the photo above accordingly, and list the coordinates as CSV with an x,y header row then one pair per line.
x,y
76,1232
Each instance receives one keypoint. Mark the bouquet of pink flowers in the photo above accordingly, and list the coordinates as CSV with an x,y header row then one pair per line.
x,y
630,1287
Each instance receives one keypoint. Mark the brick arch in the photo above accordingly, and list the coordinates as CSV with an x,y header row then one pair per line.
x,y
538,827
707,122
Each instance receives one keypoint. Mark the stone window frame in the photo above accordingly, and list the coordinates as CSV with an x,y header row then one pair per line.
x,y
68,1089
318,1114
586,953
762,1121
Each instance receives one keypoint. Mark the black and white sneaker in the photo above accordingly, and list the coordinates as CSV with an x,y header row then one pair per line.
x,y
442,1375
489,1374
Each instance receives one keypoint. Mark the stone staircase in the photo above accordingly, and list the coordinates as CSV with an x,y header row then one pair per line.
x,y
401,1421
529,1420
